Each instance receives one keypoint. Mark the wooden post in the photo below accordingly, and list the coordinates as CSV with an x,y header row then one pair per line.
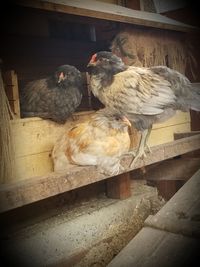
x,y
12,92
119,186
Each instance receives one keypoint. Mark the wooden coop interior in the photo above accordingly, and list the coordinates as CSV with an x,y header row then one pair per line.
x,y
43,213
41,35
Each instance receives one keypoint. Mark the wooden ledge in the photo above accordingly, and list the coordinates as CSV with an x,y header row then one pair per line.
x,y
17,194
107,11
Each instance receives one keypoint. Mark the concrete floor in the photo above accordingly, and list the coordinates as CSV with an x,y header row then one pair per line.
x,y
90,234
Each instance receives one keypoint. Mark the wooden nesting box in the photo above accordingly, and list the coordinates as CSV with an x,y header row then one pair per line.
x,y
40,36
34,139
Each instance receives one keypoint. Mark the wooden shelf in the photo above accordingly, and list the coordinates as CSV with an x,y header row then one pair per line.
x,y
17,194
106,11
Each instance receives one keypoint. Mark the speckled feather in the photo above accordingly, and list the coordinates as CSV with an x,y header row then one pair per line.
x,y
100,141
48,99
144,95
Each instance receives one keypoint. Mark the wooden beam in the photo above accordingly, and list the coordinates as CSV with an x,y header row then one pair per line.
x,y
17,194
106,11
172,169
183,135
119,187
12,91
170,175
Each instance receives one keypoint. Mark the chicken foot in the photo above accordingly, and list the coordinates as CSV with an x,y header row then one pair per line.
x,y
143,147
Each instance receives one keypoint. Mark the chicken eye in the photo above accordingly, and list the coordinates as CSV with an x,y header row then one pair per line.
x,y
117,118
105,59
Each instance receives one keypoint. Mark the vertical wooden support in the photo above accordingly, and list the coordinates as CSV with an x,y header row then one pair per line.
x,y
167,188
12,92
119,186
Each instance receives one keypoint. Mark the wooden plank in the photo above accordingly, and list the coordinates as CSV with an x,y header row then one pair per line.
x,y
172,169
11,94
36,161
33,165
166,134
170,175
44,133
15,107
12,91
17,194
185,134
41,133
169,238
181,212
178,118
119,187
107,11
10,77
153,247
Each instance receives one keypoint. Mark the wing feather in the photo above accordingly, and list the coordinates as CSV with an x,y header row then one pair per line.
x,y
138,91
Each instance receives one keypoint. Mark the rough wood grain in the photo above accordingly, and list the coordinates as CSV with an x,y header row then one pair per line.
x,y
170,175
20,193
119,187
171,237
181,213
12,91
108,11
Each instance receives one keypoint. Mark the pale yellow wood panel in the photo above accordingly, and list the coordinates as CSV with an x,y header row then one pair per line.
x,y
163,135
33,165
179,117
35,135
41,163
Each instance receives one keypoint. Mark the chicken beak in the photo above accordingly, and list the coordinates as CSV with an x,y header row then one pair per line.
x,y
126,121
91,64
61,77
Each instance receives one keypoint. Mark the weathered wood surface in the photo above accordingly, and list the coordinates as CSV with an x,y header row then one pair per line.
x,y
153,247
119,187
20,193
12,91
106,11
181,214
35,160
170,175
172,169
186,134
171,237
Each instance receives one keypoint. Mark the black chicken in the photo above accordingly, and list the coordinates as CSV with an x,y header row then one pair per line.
x,y
55,97
144,95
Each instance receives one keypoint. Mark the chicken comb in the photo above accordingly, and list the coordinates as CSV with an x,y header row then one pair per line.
x,y
93,58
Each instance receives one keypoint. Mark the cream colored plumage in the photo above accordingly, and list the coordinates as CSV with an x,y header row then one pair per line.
x,y
100,141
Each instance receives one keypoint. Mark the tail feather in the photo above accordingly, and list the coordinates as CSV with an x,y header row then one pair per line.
x,y
195,103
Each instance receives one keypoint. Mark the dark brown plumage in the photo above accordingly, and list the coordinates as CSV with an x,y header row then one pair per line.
x,y
55,97
144,95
